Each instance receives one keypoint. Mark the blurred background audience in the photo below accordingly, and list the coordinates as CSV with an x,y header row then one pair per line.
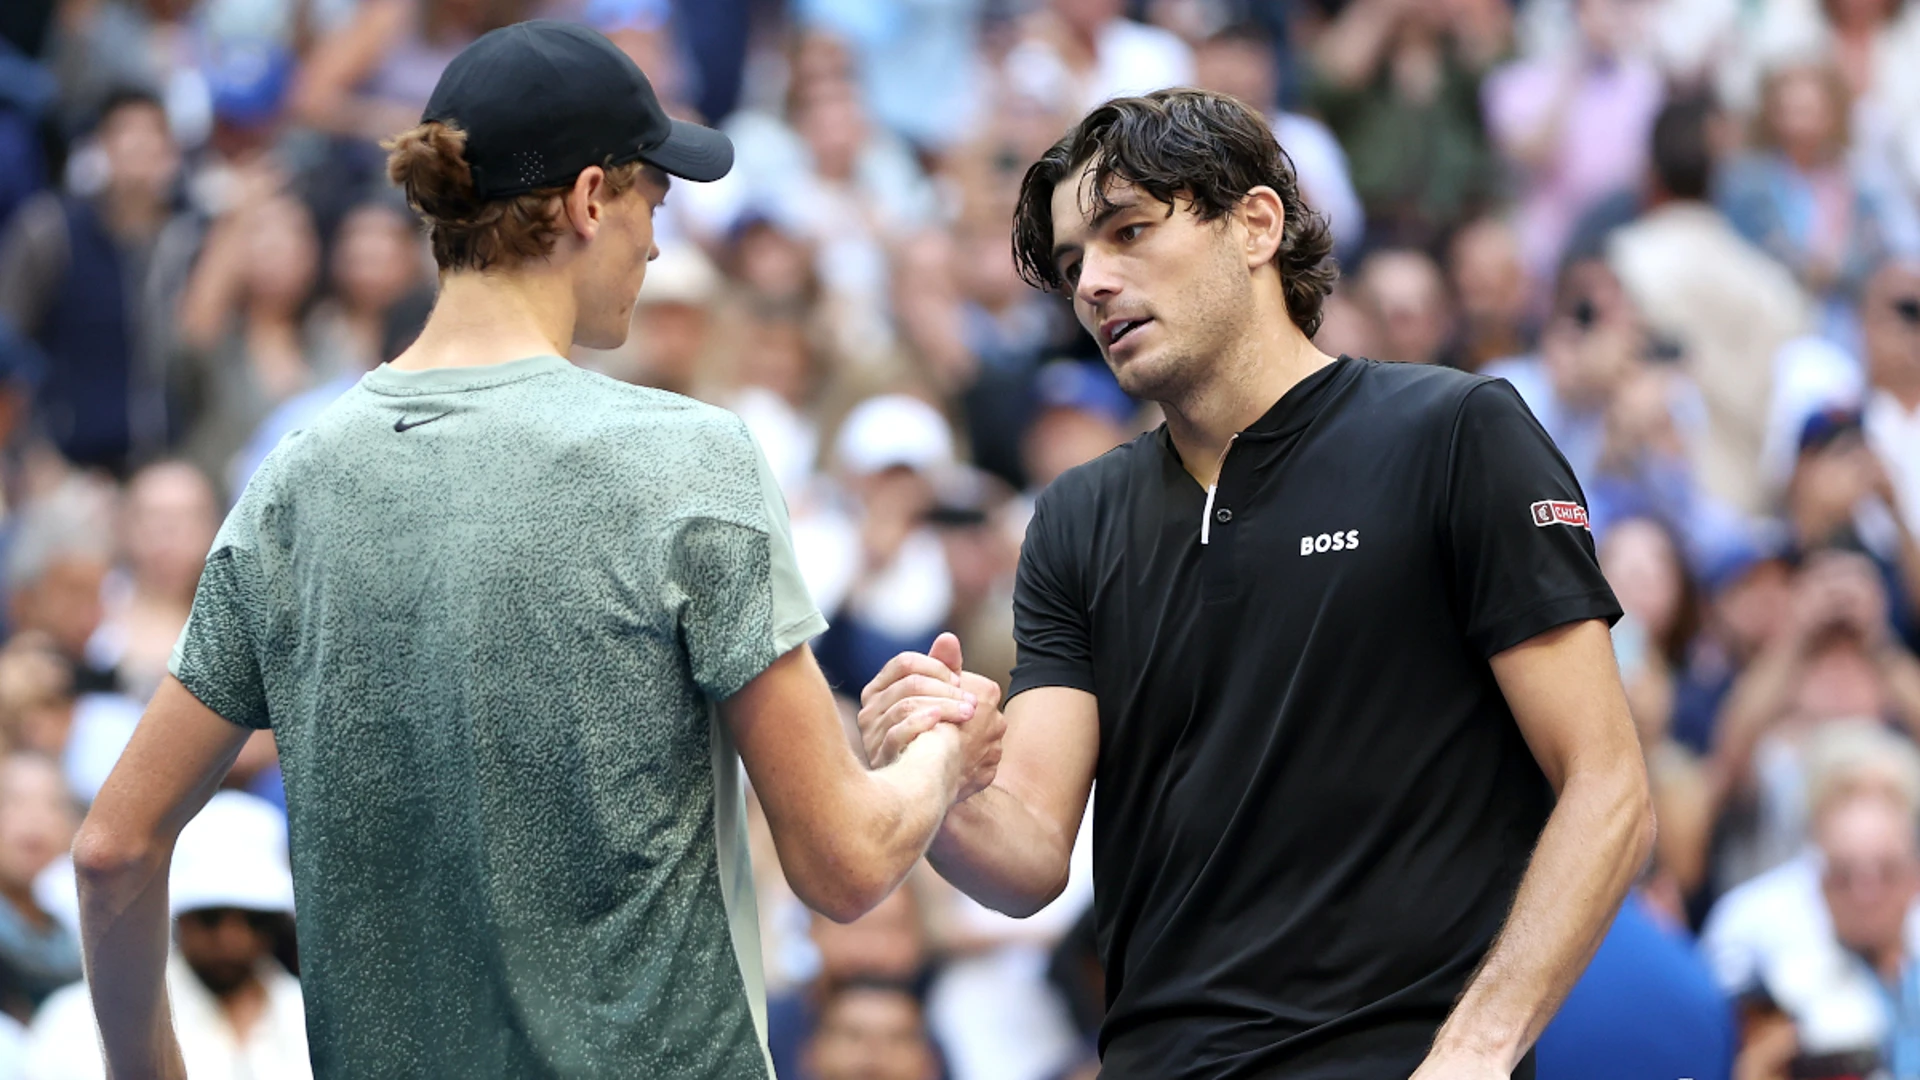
x,y
1685,230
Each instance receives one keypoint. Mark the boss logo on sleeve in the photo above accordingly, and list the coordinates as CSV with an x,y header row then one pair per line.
x,y
1554,512
1333,541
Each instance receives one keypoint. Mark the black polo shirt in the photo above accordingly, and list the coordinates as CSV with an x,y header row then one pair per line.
x,y
1313,806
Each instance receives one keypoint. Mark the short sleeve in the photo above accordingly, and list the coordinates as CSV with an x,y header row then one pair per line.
x,y
217,656
1521,550
744,602
1051,632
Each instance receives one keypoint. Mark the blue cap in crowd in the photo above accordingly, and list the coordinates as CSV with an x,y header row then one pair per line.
x,y
1084,387
1825,427
1736,553
248,79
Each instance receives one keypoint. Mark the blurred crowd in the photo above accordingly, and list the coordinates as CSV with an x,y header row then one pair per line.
x,y
1685,230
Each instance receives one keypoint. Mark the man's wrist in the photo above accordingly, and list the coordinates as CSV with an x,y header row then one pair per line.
x,y
1458,1045
943,741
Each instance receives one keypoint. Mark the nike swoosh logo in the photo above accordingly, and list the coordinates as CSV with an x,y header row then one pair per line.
x,y
403,424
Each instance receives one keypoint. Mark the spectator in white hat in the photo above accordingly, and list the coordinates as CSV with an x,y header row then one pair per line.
x,y
237,1010
885,573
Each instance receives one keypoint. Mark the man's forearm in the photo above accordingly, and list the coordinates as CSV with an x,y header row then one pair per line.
x,y
921,784
863,851
124,927
996,850
1594,844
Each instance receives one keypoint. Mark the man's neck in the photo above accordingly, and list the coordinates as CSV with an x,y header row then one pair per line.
x,y
1241,389
1807,158
1661,199
1907,396
243,1006
1812,526
1888,963
484,319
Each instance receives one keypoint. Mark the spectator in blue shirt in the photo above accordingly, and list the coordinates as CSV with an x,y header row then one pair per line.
x,y
1647,1007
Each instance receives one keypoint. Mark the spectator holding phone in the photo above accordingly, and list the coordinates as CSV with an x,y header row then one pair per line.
x,y
1841,496
1835,660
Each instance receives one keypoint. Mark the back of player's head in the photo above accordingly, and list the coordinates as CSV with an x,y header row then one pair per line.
x,y
1193,149
514,121
469,231
1683,148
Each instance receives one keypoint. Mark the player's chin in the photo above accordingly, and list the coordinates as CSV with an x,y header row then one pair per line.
x,y
1139,372
603,334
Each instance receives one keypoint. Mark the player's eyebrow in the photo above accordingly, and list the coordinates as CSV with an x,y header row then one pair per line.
x,y
1105,214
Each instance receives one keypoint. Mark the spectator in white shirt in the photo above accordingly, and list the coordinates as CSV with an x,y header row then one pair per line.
x,y
238,1012
1855,990
1781,913
1076,54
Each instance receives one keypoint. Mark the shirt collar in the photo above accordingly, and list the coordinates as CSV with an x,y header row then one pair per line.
x,y
1300,404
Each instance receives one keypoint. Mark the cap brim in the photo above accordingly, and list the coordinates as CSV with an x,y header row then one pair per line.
x,y
692,152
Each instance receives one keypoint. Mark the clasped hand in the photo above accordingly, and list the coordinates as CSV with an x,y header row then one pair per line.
x,y
917,693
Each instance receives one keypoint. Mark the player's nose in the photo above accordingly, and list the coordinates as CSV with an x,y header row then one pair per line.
x,y
1098,284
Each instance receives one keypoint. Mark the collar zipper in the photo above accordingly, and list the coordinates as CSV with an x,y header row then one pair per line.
x,y
1206,515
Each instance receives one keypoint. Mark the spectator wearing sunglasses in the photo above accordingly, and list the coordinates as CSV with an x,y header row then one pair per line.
x,y
1852,997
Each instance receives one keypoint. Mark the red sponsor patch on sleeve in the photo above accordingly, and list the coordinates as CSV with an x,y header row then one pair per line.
x,y
1555,512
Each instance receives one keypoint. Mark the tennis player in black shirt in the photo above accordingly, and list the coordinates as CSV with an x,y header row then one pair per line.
x,y
1333,642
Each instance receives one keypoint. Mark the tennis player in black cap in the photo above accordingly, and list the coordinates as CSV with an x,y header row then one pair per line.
x,y
514,627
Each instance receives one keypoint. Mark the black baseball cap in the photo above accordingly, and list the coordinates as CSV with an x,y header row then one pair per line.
x,y
542,100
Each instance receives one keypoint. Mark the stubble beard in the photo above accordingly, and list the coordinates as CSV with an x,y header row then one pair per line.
x,y
1182,369
1165,378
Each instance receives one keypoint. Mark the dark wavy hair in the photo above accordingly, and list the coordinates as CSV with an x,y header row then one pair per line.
x,y
1205,149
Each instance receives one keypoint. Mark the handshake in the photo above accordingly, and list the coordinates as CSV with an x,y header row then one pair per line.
x,y
930,696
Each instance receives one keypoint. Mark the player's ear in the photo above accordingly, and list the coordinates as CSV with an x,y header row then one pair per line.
x,y
1263,221
585,202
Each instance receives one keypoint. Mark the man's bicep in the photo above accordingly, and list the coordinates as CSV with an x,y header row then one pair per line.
x,y
1052,637
1051,751
176,759
746,602
1564,690
216,656
1521,552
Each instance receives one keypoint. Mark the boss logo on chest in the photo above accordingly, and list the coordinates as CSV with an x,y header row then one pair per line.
x,y
1333,541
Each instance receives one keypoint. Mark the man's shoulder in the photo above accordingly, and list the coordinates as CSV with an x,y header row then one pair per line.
x,y
1085,485
666,421
1401,394
586,405
701,458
